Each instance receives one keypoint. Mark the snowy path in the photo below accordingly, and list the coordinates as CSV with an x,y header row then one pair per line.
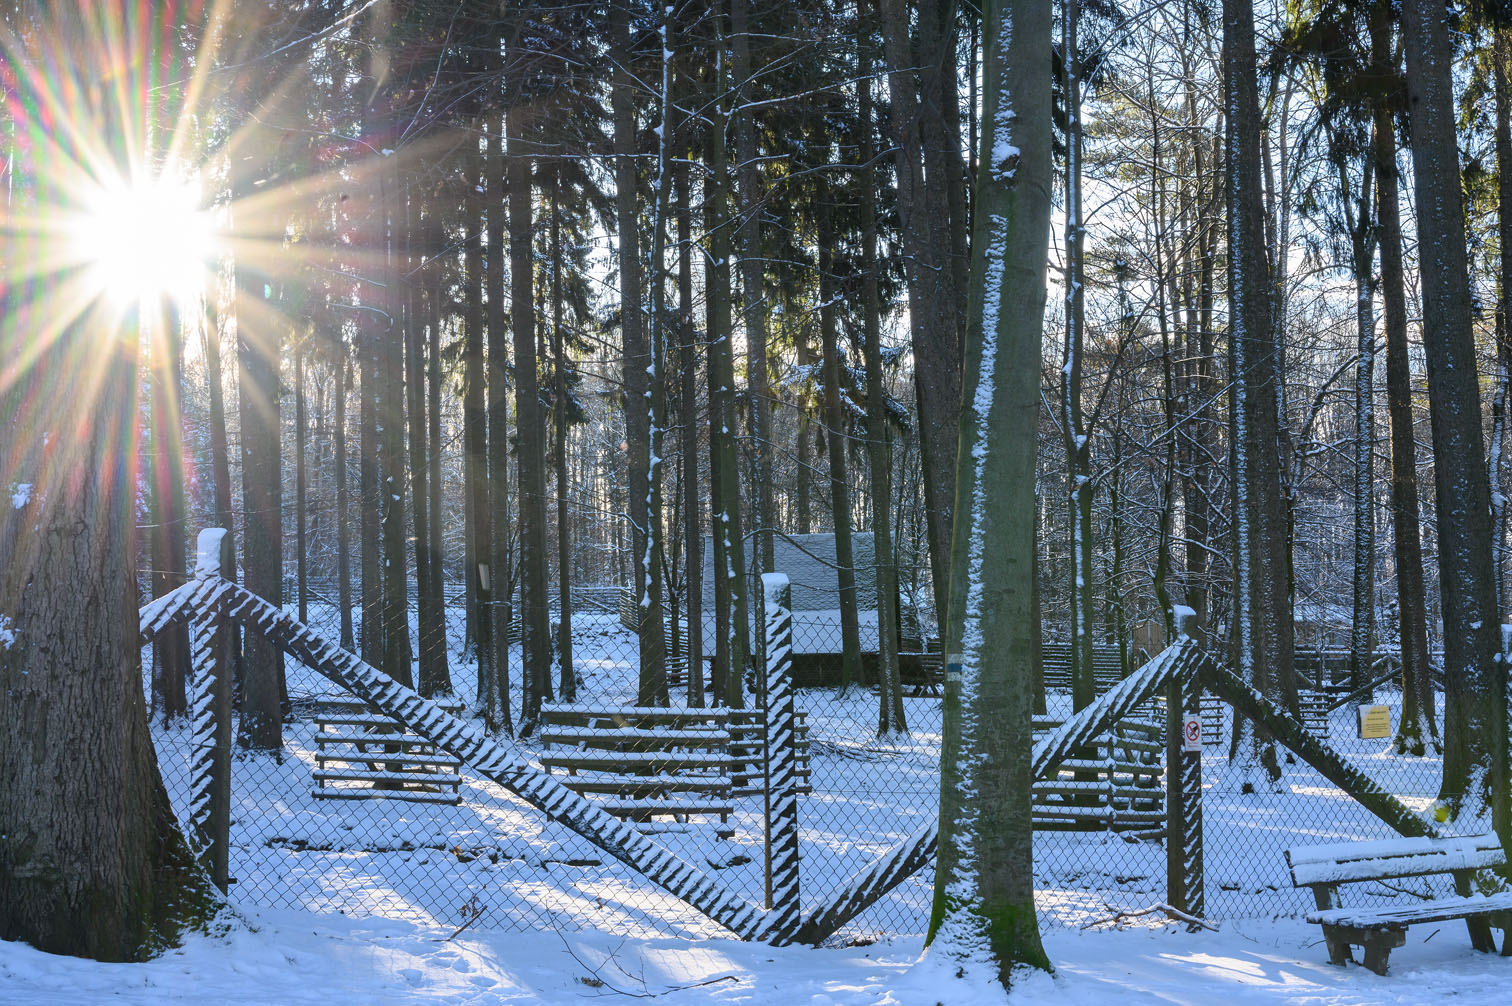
x,y
296,958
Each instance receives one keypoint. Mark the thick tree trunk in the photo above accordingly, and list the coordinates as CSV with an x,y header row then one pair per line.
x,y
984,886
1262,601
1475,684
92,862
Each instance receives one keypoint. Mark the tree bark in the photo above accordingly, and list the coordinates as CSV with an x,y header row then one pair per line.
x,y
168,509
891,716
535,684
1262,599
983,914
753,288
92,862
839,478
1474,682
931,204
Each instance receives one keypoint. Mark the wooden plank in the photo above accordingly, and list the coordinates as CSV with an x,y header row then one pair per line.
x,y
1442,910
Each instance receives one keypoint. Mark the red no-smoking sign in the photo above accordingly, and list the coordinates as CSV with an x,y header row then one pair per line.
x,y
1191,734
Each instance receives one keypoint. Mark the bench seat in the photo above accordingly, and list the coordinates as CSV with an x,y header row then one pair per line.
x,y
1402,916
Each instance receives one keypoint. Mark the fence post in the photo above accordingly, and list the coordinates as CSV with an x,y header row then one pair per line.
x,y
779,758
210,712
1184,877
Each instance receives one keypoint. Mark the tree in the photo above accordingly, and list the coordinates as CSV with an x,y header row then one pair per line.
x,y
984,885
92,862
931,191
1475,684
1262,614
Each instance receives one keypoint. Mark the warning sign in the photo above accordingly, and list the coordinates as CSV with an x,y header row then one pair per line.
x,y
1191,734
1375,722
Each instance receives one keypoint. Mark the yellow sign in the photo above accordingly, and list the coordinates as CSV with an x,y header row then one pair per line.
x,y
1375,722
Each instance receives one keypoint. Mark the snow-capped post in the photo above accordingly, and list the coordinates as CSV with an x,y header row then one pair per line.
x,y
781,802
210,710
1184,878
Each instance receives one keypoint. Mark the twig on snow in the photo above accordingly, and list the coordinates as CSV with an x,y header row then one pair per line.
x,y
1122,915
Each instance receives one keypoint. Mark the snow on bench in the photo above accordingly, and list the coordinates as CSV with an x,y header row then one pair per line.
x,y
1324,867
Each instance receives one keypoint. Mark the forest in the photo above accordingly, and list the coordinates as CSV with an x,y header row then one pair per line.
x,y
514,343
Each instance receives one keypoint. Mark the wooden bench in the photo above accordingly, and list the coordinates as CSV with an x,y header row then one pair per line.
x,y
1380,930
363,754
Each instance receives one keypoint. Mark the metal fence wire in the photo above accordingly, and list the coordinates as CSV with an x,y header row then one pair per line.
x,y
356,816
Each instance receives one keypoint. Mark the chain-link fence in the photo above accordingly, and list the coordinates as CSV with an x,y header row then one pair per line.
x,y
355,815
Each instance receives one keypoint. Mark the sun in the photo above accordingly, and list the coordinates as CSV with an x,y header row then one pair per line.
x,y
144,240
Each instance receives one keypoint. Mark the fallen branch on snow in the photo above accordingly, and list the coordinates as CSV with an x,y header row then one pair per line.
x,y
1122,915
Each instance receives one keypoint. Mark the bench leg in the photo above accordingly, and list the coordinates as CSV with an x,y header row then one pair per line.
x,y
1378,947
1480,935
1338,946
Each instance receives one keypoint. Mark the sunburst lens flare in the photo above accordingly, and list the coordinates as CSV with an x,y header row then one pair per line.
x,y
144,240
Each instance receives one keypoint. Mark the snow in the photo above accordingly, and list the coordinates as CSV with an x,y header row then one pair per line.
x,y
7,633
296,958
21,495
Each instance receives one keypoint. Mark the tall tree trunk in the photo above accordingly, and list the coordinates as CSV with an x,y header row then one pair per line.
x,y
1074,431
890,712
1262,608
436,638
732,640
369,491
641,375
1474,682
165,366
301,487
688,353
567,675
258,342
343,535
753,288
500,611
427,617
931,206
983,914
1362,240
834,420
475,475
535,684
397,651
1418,707
1496,461
92,862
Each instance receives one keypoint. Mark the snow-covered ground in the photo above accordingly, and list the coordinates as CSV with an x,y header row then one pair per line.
x,y
296,958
